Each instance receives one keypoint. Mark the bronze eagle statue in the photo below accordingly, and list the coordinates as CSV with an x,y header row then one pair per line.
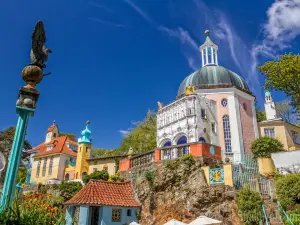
x,y
39,53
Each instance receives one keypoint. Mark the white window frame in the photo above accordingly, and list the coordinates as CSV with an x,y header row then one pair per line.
x,y
227,134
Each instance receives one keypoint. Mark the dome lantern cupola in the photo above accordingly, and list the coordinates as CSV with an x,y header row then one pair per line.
x,y
85,135
209,51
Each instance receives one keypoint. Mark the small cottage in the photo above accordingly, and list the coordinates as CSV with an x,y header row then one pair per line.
x,y
103,203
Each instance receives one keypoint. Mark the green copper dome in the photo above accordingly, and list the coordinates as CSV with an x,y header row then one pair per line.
x,y
213,76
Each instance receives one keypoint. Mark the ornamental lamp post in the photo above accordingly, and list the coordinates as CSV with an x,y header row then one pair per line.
x,y
32,74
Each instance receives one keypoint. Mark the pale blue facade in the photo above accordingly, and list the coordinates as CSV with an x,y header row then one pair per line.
x,y
87,215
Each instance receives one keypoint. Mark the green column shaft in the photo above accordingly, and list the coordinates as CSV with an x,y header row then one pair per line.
x,y
9,186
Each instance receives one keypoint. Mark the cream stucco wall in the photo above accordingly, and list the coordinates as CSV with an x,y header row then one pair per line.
x,y
59,162
99,164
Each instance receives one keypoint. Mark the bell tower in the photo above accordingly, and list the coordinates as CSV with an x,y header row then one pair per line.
x,y
209,51
52,132
270,109
83,153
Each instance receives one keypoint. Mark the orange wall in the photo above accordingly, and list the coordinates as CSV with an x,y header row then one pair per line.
x,y
124,164
204,151
157,155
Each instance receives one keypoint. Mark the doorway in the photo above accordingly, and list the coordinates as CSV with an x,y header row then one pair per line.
x,y
94,215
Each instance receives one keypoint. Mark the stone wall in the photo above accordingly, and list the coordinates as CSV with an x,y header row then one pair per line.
x,y
178,189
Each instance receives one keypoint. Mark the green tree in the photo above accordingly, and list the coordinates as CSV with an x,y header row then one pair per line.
x,y
69,135
22,173
99,152
260,115
6,140
69,189
284,75
115,178
142,137
264,146
249,203
284,111
97,175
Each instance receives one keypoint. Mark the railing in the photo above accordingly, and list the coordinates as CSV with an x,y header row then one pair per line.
x,y
142,159
286,215
175,151
265,214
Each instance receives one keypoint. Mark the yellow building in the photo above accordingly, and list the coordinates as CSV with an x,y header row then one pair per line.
x,y
84,153
52,156
108,163
287,133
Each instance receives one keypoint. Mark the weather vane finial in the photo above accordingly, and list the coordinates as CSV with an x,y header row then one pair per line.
x,y
88,122
207,32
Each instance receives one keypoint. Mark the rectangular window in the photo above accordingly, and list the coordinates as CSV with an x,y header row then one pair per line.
x,y
44,167
38,168
189,111
213,127
49,147
116,215
295,136
50,167
203,113
269,132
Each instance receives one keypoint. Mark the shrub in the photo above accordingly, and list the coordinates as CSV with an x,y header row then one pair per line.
x,y
249,203
98,175
287,190
69,189
172,164
150,176
188,159
115,178
264,146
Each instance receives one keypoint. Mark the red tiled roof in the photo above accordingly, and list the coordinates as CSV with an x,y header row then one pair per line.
x,y
98,192
59,146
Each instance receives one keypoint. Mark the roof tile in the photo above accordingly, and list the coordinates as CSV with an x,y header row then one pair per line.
x,y
98,192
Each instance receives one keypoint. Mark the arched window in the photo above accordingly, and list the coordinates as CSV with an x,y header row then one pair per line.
x,y
38,168
202,140
50,167
168,143
227,134
77,175
67,177
44,167
182,140
83,174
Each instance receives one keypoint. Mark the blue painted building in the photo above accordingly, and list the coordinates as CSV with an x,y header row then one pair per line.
x,y
103,203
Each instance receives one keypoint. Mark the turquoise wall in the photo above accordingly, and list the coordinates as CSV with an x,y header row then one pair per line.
x,y
105,216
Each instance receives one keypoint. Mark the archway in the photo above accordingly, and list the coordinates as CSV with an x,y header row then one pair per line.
x,y
181,150
202,140
67,177
182,140
166,144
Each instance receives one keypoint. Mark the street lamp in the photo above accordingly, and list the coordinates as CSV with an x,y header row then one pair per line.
x,y
32,74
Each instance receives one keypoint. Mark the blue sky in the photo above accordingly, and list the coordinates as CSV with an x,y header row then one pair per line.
x,y
114,59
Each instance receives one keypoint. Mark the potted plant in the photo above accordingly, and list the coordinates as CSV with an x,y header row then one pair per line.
x,y
262,149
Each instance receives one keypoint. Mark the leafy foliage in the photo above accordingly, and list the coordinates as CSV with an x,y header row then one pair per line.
x,y
69,135
69,189
6,140
264,146
115,178
260,115
288,191
143,137
284,75
98,175
284,111
188,159
22,173
249,203
33,209
150,176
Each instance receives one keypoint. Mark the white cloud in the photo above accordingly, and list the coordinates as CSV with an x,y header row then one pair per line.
x,y
124,132
100,7
140,11
97,20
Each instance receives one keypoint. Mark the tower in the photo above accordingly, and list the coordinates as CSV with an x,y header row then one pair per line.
x,y
209,51
270,106
52,132
84,152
